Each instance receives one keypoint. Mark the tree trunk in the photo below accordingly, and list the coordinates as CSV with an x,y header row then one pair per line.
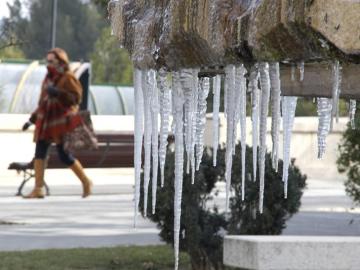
x,y
200,261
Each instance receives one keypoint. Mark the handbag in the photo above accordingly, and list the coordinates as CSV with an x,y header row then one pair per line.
x,y
83,136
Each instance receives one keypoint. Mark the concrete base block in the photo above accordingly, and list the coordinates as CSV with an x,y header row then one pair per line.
x,y
292,252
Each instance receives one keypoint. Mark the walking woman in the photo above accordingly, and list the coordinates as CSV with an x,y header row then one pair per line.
x,y
55,115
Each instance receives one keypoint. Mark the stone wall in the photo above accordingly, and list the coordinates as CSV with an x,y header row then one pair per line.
x,y
208,33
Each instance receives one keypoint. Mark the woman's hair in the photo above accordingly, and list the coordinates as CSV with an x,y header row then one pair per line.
x,y
61,55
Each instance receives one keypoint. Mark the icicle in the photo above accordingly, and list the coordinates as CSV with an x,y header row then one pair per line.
x,y
302,70
138,136
186,84
336,89
275,111
293,69
165,110
239,77
265,93
288,108
196,97
155,109
248,11
255,95
204,85
147,89
225,98
216,106
242,116
324,108
352,111
230,90
178,99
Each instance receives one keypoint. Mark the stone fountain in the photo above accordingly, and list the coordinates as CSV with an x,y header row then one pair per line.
x,y
320,37
213,33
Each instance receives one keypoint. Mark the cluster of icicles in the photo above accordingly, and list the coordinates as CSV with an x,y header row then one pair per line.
x,y
182,95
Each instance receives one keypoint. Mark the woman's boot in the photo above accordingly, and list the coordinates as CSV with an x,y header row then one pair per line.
x,y
79,172
38,192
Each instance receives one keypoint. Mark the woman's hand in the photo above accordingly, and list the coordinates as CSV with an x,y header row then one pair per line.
x,y
26,125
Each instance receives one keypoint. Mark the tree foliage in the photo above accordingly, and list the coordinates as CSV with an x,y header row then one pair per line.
x,y
110,64
203,224
102,4
78,26
9,40
349,161
308,107
11,52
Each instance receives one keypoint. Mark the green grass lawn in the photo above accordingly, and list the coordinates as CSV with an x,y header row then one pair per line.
x,y
126,258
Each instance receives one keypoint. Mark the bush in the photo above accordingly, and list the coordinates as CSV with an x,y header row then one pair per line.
x,y
245,218
349,162
203,227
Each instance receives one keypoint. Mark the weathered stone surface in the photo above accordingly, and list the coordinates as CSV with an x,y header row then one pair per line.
x,y
189,33
292,252
338,21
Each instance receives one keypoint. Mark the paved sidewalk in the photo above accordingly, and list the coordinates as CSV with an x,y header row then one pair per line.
x,y
325,210
65,220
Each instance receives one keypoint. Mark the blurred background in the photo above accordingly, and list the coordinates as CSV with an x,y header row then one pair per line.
x,y
29,28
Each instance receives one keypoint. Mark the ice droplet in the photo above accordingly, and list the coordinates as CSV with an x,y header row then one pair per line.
x,y
255,96
265,94
230,111
147,85
324,109
138,136
165,111
216,107
288,109
352,111
155,109
204,86
178,98
275,111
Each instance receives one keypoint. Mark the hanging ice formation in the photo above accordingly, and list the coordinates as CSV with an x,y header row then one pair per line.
x,y
216,107
237,96
178,104
265,93
275,111
204,85
288,109
242,115
138,136
155,136
336,89
249,10
229,113
324,109
148,82
194,123
255,95
165,111
302,70
293,69
187,84
352,111
187,104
